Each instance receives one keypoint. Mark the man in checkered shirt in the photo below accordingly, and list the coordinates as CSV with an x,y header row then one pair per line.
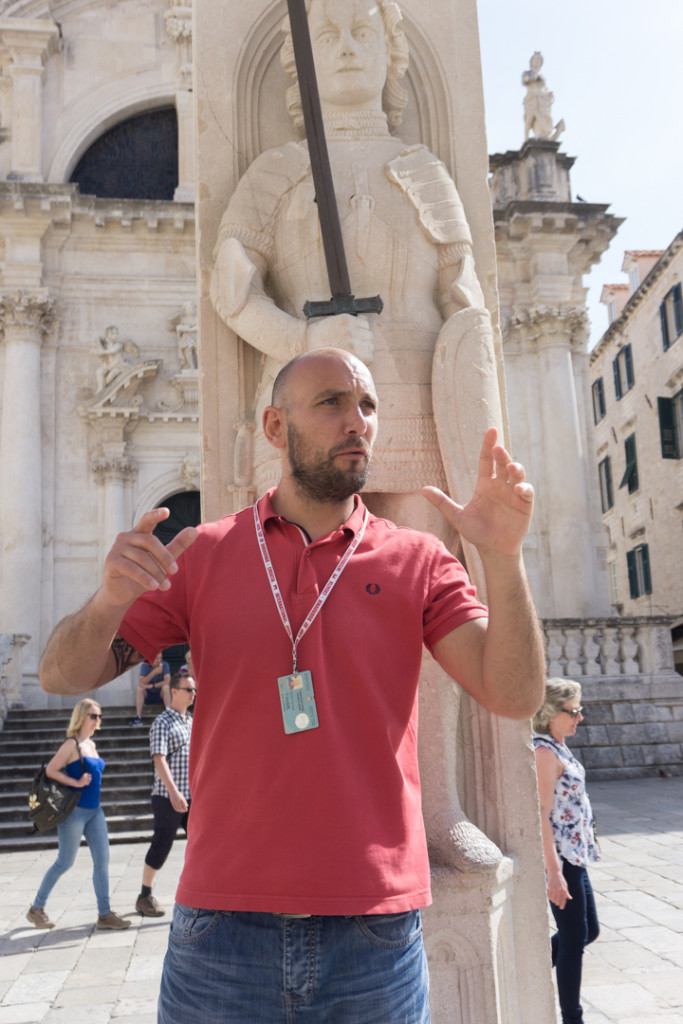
x,y
169,742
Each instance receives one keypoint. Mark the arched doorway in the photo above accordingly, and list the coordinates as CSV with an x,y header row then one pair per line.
x,y
136,159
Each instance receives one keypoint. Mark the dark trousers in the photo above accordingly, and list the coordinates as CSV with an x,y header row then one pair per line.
x,y
577,925
166,824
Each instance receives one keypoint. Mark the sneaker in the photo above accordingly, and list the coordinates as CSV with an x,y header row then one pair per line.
x,y
148,907
135,721
112,920
38,917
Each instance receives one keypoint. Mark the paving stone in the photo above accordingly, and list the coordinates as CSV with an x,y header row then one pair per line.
x,y
622,1000
24,1013
33,987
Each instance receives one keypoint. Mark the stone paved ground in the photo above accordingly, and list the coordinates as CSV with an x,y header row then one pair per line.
x,y
75,975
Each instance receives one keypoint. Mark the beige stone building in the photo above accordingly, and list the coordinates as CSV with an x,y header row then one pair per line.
x,y
637,409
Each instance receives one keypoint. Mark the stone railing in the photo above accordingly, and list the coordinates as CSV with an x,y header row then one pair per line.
x,y
632,696
10,671
609,648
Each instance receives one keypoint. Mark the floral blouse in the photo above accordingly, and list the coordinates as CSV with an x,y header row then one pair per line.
x,y
571,816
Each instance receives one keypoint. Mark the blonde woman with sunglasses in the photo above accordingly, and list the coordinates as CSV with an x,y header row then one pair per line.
x,y
567,830
86,820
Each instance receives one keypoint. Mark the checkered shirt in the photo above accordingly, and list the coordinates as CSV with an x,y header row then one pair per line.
x,y
170,735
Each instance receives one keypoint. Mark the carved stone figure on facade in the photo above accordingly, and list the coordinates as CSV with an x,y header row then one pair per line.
x,y
114,357
185,326
407,239
538,103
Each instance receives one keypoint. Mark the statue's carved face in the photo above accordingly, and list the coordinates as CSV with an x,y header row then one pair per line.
x,y
350,51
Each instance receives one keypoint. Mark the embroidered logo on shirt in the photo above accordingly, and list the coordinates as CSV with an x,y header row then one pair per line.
x,y
373,589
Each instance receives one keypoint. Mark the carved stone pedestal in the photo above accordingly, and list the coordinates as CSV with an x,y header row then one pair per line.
x,y
470,946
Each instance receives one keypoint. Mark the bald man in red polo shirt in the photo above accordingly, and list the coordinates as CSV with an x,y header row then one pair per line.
x,y
307,865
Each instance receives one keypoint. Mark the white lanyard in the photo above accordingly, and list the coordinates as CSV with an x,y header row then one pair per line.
x,y
322,597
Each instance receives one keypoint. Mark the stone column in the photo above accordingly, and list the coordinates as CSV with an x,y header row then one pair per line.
x,y
30,42
115,474
179,27
552,337
24,322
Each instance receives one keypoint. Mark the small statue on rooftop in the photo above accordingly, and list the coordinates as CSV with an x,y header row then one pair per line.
x,y
538,103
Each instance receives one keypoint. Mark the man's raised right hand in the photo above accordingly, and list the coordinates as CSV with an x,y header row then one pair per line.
x,y
138,561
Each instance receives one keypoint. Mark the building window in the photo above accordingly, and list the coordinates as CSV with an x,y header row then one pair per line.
x,y
671,426
630,477
671,315
623,371
136,159
634,278
638,564
598,392
605,473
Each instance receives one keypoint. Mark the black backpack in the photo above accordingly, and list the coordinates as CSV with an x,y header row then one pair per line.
x,y
49,801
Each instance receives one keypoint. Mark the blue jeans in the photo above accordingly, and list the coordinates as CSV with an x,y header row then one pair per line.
x,y
577,925
91,823
253,968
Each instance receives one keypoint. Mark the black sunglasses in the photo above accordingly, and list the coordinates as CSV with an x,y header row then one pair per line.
x,y
188,689
91,714
574,714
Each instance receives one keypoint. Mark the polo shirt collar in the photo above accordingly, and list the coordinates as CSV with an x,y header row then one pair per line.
x,y
351,526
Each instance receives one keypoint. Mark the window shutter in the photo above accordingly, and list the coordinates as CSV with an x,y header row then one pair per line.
x,y
667,428
617,379
678,310
608,481
628,366
665,326
645,555
632,573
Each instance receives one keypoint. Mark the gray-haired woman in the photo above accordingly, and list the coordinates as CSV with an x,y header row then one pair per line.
x,y
568,839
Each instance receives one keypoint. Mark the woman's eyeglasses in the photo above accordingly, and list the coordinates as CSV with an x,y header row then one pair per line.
x,y
93,715
573,714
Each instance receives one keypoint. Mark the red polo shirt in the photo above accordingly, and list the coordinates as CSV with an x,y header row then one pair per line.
x,y
326,821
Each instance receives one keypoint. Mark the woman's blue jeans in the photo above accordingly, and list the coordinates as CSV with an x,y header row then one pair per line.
x,y
254,968
577,926
91,823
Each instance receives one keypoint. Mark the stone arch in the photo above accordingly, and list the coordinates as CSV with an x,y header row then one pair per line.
x,y
158,490
99,118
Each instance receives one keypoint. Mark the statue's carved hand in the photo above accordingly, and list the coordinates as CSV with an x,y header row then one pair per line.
x,y
352,333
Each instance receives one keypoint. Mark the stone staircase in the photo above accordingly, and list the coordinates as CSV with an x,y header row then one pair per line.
x,y
30,738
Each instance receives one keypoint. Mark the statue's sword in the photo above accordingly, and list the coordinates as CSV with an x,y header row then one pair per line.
x,y
342,300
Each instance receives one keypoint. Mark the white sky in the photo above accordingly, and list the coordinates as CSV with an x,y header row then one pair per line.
x,y
616,71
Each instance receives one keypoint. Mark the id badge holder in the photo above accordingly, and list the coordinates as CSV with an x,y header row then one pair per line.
x,y
297,700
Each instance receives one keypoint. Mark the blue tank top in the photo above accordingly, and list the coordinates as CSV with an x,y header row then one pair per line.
x,y
90,794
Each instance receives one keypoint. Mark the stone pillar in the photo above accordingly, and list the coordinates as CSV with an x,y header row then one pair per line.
x,y
179,27
30,42
115,475
24,322
548,337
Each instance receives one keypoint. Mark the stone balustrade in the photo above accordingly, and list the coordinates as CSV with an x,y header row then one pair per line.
x,y
632,695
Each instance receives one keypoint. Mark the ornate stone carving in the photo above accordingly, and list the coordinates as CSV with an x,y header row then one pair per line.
x,y
22,311
539,322
114,355
178,19
185,326
190,472
105,468
538,103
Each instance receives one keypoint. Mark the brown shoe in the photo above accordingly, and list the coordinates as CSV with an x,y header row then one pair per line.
x,y
38,917
148,907
112,920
